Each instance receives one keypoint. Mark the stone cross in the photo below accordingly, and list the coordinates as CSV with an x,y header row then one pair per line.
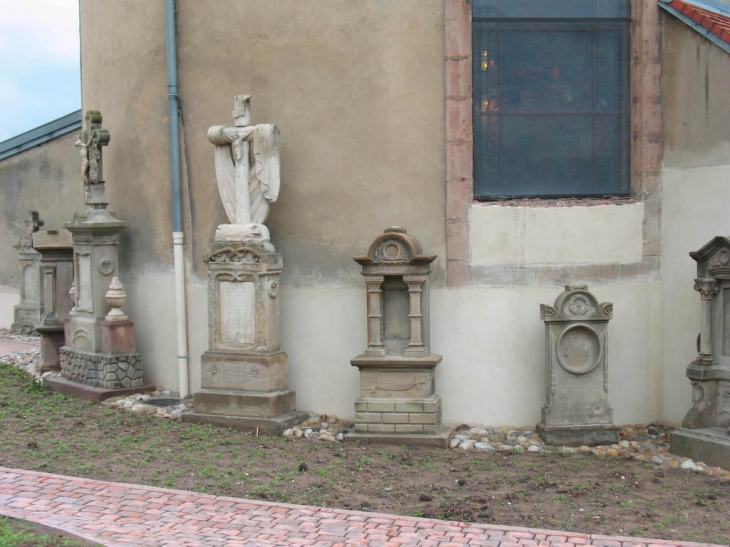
x,y
247,170
33,224
89,143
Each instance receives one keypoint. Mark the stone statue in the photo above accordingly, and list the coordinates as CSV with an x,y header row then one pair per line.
x,y
247,169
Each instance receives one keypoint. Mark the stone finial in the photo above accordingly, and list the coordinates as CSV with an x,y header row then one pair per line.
x,y
72,294
115,297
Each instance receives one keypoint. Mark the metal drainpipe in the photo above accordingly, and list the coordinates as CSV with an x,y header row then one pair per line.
x,y
178,236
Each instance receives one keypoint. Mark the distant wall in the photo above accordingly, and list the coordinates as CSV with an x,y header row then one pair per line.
x,y
695,193
45,179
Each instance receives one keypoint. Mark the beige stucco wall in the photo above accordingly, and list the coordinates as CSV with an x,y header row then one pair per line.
x,y
45,179
695,193
357,91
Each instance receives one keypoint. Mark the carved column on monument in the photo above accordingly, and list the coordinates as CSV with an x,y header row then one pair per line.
x,y
28,312
704,432
398,403
577,411
244,373
103,369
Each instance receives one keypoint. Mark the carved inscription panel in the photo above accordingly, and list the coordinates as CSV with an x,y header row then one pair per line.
x,y
30,284
84,289
237,312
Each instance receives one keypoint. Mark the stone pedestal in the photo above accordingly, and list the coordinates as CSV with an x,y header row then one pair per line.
x,y
96,356
244,374
704,435
398,403
577,411
28,312
56,270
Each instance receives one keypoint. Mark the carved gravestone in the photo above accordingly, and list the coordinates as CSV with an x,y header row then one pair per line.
x,y
244,373
704,432
28,312
57,271
97,361
398,403
576,357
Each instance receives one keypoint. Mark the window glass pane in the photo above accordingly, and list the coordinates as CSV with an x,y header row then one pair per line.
x,y
550,109
550,9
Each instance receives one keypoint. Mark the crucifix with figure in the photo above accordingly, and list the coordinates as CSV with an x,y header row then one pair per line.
x,y
89,143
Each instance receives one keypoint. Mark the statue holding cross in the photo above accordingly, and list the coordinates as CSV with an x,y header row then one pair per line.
x,y
247,168
89,143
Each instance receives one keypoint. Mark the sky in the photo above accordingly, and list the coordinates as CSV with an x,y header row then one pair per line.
x,y
40,77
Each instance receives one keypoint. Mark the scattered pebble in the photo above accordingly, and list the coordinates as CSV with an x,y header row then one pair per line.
x,y
649,444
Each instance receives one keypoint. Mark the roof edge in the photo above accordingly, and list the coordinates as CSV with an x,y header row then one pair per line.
x,y
703,30
41,134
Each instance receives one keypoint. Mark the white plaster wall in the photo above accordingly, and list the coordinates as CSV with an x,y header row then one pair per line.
x,y
9,298
599,234
694,210
492,341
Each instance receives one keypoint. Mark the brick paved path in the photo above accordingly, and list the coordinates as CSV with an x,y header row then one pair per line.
x,y
117,514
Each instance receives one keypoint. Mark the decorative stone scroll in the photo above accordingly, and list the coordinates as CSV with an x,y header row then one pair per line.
x,y
705,432
398,403
577,410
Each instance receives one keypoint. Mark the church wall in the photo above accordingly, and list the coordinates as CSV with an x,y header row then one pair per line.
x,y
357,89
695,194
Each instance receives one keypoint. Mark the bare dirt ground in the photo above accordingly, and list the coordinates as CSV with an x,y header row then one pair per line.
x,y
574,492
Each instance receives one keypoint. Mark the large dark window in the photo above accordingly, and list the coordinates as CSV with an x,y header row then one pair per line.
x,y
551,98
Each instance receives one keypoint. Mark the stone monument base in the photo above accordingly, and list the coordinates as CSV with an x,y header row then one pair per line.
x,y
103,370
276,425
52,339
96,394
710,445
414,421
272,411
578,435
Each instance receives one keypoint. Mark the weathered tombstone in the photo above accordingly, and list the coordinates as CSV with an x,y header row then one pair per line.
x,y
28,312
244,373
576,357
93,365
704,432
56,268
398,403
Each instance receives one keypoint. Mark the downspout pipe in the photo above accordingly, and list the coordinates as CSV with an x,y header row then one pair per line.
x,y
178,237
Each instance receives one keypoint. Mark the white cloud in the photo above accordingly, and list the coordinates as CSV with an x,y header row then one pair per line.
x,y
39,63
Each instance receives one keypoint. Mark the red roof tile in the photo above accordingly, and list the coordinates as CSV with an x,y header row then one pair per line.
x,y
718,24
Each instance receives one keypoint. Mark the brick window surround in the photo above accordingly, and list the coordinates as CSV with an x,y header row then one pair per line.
x,y
646,154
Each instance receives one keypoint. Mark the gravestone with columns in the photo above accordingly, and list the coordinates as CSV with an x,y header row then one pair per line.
x,y
28,312
244,373
705,432
398,403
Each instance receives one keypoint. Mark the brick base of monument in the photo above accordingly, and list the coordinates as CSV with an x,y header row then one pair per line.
x,y
413,421
102,370
710,445
578,435
272,412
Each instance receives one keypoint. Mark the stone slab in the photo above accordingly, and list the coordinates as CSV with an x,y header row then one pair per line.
x,y
391,384
578,435
440,439
276,425
245,404
710,445
245,371
96,394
